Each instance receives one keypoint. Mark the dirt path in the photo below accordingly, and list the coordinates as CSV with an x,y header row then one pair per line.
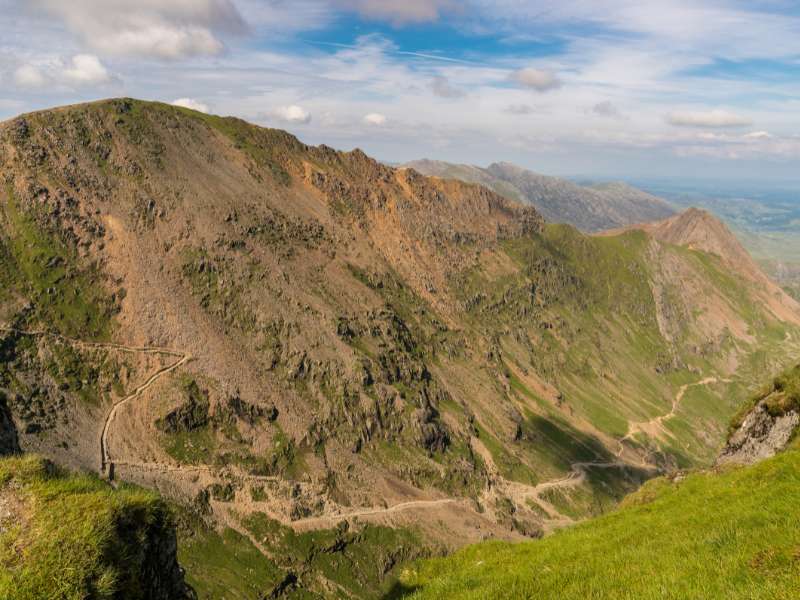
x,y
328,521
655,426
518,492
182,359
104,456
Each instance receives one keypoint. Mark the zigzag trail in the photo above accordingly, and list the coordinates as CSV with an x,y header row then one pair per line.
x,y
104,456
517,491
182,360
658,422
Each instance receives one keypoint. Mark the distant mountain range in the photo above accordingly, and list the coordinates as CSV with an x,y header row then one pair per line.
x,y
589,208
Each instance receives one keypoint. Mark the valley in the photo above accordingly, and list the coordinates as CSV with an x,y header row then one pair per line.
x,y
319,360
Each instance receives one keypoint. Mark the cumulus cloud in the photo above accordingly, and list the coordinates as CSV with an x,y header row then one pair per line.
x,y
442,87
79,71
399,13
29,76
758,135
292,114
716,119
540,80
191,104
86,69
375,119
167,30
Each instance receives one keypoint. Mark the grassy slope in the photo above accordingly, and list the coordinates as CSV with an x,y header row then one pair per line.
x,y
357,563
592,322
76,538
728,535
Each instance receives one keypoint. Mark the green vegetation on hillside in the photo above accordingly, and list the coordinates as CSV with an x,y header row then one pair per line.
x,y
75,538
64,295
345,562
731,534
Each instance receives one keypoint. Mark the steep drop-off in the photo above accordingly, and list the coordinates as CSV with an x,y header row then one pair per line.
x,y
69,537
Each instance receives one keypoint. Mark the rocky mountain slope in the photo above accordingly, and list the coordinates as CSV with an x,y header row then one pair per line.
x,y
327,358
591,209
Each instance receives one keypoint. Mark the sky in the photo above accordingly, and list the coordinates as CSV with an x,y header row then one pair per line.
x,y
606,88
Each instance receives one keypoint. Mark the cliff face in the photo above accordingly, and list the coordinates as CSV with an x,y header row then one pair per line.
x,y
9,441
767,424
220,311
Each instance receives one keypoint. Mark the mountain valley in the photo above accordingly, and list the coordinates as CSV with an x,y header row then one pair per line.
x,y
330,367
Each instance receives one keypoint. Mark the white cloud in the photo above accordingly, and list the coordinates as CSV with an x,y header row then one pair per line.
x,y
713,119
82,70
167,30
375,119
293,114
29,76
520,109
537,79
191,104
86,69
758,135
442,87
399,12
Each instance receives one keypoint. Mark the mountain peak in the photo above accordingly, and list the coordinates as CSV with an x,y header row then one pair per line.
x,y
698,229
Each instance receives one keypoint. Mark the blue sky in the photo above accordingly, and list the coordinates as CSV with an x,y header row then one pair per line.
x,y
621,88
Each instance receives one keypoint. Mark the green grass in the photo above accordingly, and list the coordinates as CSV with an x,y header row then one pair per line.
x,y
66,295
226,565
74,537
358,562
731,535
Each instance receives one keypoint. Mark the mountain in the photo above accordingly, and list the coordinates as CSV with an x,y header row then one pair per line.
x,y
591,209
329,364
699,230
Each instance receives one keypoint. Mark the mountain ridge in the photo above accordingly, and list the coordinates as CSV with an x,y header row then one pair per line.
x,y
589,208
368,345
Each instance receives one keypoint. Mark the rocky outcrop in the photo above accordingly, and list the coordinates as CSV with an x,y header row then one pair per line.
x,y
761,435
9,443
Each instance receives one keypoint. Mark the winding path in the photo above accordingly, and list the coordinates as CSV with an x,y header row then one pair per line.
x,y
517,491
181,357
329,520
104,455
657,423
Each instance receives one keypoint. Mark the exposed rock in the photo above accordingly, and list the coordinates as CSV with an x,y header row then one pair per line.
x,y
9,442
760,436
